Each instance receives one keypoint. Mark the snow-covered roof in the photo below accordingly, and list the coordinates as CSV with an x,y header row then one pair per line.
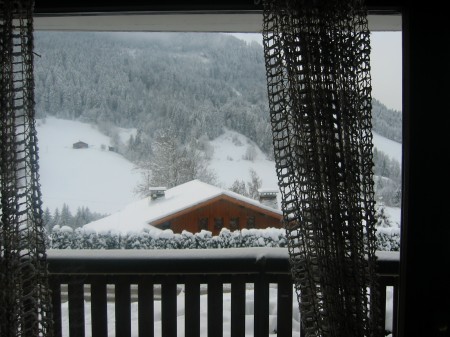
x,y
138,215
267,190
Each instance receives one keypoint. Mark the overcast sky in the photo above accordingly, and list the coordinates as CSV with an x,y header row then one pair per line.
x,y
386,64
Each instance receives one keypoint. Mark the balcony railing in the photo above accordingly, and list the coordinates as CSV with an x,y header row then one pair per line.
x,y
86,284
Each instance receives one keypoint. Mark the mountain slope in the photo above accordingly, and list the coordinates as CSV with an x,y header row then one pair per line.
x,y
390,147
194,82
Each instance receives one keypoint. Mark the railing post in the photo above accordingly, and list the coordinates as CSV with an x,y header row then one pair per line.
x,y
261,304
192,307
169,307
302,324
123,308
284,306
146,307
238,306
76,309
395,300
99,312
55,287
215,306
383,291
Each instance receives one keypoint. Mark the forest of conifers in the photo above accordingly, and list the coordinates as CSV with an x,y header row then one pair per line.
x,y
191,83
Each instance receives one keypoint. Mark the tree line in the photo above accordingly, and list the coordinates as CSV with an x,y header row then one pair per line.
x,y
64,218
195,83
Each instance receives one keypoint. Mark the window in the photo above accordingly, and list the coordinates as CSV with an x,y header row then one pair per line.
x,y
218,223
166,225
202,224
114,105
251,222
234,223
119,91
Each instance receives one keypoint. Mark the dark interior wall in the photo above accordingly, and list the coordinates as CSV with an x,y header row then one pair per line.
x,y
425,247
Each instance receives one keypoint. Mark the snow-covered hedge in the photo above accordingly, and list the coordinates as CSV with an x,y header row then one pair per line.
x,y
67,238
388,239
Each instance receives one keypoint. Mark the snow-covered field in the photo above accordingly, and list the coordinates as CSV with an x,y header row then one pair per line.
x,y
94,177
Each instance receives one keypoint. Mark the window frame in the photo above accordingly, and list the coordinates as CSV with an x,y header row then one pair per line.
x,y
417,20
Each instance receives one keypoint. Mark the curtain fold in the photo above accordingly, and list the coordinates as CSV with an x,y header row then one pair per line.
x,y
24,295
319,89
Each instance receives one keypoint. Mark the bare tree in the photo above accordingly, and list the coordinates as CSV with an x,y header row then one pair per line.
x,y
173,164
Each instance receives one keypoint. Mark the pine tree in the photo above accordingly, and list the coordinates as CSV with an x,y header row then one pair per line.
x,y
56,218
172,164
164,165
239,187
254,185
65,218
78,217
194,165
47,220
382,217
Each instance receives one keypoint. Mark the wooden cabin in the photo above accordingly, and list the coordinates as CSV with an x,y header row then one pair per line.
x,y
80,145
196,206
193,206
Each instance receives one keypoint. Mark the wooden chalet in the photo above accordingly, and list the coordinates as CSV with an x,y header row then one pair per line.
x,y
192,206
196,206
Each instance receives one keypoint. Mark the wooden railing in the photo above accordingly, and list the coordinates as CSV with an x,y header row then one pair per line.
x,y
142,280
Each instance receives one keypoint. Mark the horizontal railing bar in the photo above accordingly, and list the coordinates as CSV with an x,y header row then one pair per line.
x,y
189,261
186,262
388,263
157,279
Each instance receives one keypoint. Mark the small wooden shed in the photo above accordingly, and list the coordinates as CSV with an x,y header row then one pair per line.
x,y
80,145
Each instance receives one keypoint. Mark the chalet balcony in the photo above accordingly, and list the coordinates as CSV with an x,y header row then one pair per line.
x,y
128,293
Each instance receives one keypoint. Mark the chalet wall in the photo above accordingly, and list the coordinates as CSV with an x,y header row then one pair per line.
x,y
221,213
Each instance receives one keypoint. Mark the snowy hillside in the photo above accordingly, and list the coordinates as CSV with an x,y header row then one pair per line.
x,y
229,164
389,147
104,181
94,177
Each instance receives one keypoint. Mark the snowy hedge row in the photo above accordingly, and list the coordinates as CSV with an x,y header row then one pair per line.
x,y
67,238
388,239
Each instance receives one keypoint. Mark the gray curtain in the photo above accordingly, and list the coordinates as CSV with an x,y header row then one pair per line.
x,y
24,296
319,88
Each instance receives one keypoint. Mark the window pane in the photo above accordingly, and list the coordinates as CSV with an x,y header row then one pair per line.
x,y
120,113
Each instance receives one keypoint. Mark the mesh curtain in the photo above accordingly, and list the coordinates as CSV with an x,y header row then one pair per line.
x,y
319,88
24,295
